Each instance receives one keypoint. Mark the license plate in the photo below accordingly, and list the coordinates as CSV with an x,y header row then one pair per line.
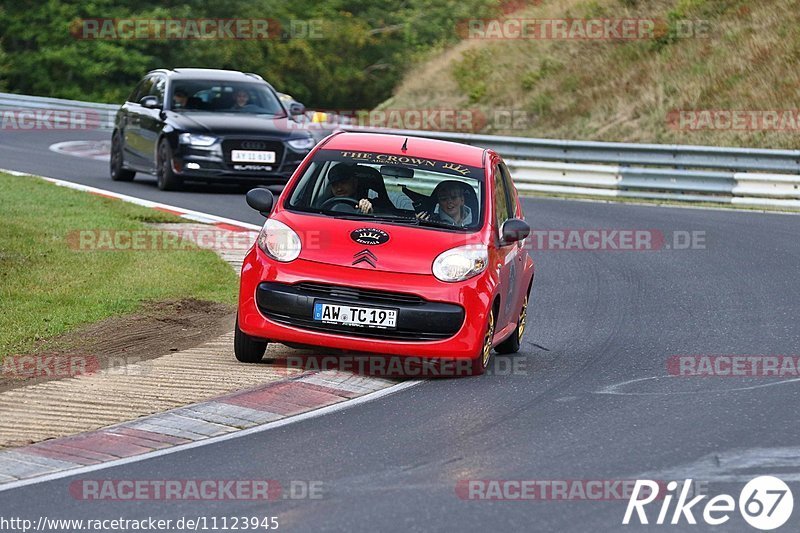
x,y
351,315
252,156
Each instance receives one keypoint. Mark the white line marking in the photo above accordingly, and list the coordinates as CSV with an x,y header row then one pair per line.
x,y
346,404
526,194
614,389
138,201
96,150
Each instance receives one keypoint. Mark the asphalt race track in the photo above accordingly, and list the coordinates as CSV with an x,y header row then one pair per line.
x,y
591,397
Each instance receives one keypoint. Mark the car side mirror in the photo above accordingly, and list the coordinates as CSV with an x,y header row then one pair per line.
x,y
261,200
514,230
150,102
296,108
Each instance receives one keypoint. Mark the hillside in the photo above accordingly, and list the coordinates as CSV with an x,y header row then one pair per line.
x,y
740,70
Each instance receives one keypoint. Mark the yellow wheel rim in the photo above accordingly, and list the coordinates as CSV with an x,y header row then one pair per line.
x,y
523,315
487,341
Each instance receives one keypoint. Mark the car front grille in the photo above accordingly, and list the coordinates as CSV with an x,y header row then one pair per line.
x,y
320,290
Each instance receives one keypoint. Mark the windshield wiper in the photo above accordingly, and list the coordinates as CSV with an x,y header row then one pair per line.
x,y
380,218
437,224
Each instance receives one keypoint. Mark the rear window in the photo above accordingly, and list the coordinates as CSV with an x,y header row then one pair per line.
x,y
434,194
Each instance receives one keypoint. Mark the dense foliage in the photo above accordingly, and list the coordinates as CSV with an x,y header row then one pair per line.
x,y
329,53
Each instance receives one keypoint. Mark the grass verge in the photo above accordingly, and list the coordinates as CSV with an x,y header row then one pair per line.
x,y
48,288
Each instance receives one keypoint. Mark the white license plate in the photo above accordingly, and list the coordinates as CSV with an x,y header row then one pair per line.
x,y
252,156
351,315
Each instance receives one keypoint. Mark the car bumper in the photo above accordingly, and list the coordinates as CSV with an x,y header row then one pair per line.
x,y
203,165
435,319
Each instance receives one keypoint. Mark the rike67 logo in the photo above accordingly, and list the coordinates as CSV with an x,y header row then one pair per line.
x,y
766,503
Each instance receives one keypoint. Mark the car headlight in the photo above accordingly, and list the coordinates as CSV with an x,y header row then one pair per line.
x,y
458,264
302,144
279,241
196,139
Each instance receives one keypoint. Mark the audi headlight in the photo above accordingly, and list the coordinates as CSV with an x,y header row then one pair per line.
x,y
195,139
302,144
458,264
279,241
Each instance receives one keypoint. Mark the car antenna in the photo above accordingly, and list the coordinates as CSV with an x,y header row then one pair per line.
x,y
405,145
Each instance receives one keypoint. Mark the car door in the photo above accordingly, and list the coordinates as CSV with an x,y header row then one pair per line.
x,y
152,122
520,285
506,254
135,145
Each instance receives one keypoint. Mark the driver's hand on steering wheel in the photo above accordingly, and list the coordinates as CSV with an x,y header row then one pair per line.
x,y
365,206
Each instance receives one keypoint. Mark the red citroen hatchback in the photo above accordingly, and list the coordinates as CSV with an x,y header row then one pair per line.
x,y
394,245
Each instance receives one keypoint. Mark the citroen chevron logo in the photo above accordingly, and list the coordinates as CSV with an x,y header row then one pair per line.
x,y
365,256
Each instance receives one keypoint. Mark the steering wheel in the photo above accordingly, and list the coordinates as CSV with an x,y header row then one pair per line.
x,y
336,200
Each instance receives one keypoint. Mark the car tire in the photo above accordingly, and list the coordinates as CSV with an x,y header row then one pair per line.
x,y
246,348
481,360
117,162
512,343
167,180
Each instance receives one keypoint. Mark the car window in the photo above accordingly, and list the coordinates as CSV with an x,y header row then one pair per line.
x,y
142,90
435,194
157,88
501,206
509,186
228,97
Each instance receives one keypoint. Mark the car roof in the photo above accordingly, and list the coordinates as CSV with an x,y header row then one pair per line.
x,y
210,74
416,147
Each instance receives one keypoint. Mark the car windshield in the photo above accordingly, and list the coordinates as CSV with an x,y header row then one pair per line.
x,y
397,189
224,97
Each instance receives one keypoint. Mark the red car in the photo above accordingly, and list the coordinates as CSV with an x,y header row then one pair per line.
x,y
393,245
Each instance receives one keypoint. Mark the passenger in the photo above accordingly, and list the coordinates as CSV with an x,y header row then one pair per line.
x,y
450,207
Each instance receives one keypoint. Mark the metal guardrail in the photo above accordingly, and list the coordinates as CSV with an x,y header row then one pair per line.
x,y
742,176
93,115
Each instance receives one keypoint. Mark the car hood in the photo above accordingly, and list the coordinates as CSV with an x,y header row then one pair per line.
x,y
409,250
237,124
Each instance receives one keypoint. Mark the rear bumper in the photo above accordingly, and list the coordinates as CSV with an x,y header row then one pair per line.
x,y
437,320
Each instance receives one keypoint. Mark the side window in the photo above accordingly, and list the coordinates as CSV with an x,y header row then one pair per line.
x,y
500,198
512,197
157,88
143,89
137,93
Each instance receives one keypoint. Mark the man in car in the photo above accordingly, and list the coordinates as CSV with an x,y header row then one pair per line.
x,y
241,99
344,184
179,99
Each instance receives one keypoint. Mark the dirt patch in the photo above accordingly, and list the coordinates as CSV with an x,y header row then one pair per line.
x,y
157,329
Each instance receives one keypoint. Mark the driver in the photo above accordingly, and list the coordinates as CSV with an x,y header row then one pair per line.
x,y
241,99
344,184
